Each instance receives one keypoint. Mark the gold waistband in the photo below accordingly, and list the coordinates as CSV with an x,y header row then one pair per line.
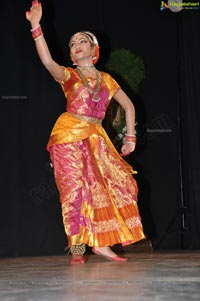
x,y
87,118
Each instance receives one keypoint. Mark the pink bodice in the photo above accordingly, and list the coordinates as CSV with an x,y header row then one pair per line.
x,y
79,99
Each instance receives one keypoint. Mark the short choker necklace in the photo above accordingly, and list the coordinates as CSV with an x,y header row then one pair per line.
x,y
94,93
86,68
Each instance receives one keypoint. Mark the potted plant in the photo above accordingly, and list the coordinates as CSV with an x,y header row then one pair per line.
x,y
128,69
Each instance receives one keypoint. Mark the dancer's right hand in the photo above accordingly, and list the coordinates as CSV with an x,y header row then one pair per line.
x,y
34,15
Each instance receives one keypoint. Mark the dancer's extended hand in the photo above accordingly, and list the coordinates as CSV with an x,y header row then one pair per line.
x,y
35,13
127,148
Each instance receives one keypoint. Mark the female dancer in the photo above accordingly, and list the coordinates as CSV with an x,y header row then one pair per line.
x,y
98,193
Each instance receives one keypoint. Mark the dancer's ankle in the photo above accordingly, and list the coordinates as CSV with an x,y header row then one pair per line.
x,y
77,251
77,255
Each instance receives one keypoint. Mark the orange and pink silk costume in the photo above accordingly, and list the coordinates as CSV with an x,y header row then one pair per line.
x,y
98,193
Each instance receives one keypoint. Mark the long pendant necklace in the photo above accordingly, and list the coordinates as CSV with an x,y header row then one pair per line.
x,y
94,93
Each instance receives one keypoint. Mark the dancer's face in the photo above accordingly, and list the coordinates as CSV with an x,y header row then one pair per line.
x,y
81,47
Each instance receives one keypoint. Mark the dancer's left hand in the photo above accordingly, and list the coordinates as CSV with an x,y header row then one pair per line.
x,y
127,148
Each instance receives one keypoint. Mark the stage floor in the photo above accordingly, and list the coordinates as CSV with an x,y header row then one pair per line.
x,y
148,275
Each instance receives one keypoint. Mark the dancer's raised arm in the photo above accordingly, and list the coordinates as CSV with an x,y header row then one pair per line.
x,y
34,16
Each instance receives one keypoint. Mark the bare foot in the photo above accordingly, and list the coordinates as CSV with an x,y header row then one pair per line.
x,y
106,251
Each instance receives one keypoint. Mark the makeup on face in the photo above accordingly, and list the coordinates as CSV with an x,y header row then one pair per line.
x,y
77,41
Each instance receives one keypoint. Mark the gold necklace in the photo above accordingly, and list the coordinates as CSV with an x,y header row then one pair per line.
x,y
94,93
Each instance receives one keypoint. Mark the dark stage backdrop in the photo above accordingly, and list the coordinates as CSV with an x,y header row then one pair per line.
x,y
31,101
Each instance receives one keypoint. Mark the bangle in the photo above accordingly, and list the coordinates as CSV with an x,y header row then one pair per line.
x,y
130,142
38,37
34,28
37,32
127,141
130,135
130,139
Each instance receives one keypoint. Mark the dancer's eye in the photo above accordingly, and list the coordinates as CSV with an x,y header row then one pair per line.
x,y
79,42
83,41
